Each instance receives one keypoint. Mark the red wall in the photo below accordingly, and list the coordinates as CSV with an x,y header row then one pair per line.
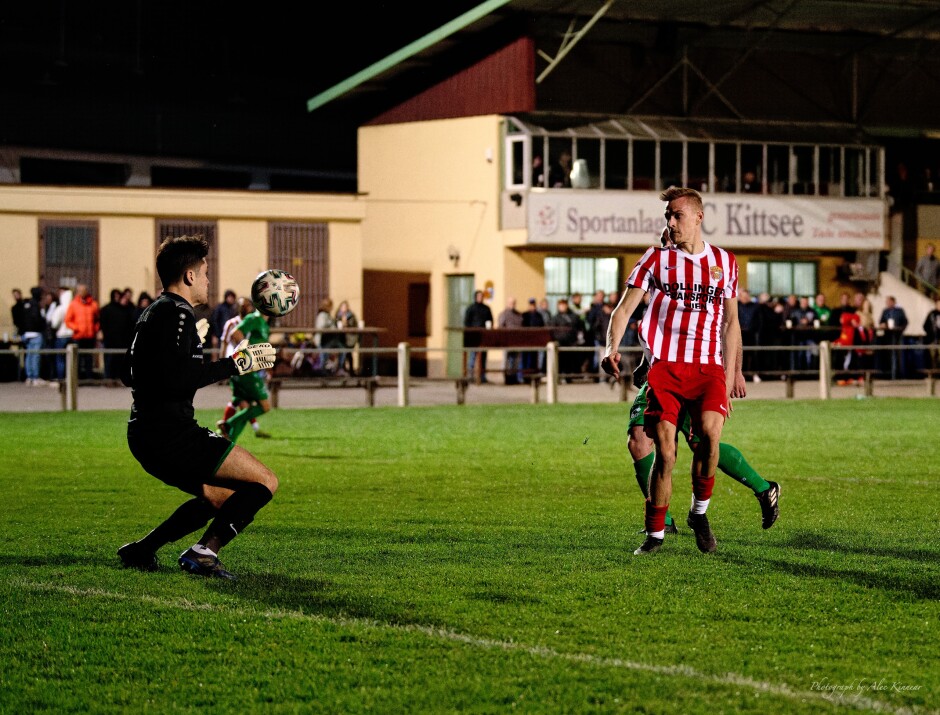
x,y
502,83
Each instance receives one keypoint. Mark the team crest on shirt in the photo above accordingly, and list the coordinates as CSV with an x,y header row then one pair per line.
x,y
716,273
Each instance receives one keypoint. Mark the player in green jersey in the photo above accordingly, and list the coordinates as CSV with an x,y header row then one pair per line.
x,y
250,397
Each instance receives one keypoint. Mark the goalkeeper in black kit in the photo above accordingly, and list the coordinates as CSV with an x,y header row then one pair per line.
x,y
164,367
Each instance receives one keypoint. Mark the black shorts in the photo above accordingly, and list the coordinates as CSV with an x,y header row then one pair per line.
x,y
185,460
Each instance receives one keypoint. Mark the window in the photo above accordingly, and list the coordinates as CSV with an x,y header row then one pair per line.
x,y
726,167
625,154
671,171
781,278
566,276
804,162
589,151
559,163
753,172
778,169
615,164
830,171
856,176
302,249
644,165
68,254
698,160
515,169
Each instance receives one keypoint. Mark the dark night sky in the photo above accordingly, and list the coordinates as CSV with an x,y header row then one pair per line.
x,y
214,80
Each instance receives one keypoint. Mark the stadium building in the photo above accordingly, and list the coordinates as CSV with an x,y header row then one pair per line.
x,y
520,148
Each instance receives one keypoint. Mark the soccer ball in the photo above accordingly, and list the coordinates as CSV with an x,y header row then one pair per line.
x,y
275,292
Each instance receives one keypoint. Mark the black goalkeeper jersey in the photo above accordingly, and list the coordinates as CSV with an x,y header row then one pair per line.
x,y
164,366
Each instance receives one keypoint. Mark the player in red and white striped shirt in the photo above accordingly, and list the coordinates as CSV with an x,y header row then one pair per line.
x,y
692,333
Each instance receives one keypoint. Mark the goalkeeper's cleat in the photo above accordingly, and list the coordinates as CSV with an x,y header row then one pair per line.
x,y
222,428
204,565
704,538
134,556
769,504
650,546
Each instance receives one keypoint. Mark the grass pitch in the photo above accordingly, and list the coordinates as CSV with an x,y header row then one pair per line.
x,y
479,559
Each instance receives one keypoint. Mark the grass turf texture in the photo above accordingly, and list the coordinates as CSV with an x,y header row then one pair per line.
x,y
479,559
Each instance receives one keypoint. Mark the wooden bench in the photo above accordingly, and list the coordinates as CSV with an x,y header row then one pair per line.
x,y
276,384
460,384
534,380
866,377
625,383
931,375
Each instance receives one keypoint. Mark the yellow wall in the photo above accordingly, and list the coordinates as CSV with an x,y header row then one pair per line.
x,y
928,225
19,265
242,254
430,186
125,255
346,264
126,239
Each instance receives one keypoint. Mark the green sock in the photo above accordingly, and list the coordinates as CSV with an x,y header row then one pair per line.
x,y
733,463
236,423
644,468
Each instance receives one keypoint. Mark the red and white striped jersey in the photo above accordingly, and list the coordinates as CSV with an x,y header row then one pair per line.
x,y
225,342
683,320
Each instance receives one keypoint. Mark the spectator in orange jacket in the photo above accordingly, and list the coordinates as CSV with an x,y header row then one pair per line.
x,y
83,318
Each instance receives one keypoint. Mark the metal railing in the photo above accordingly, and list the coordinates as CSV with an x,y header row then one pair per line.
x,y
822,362
911,279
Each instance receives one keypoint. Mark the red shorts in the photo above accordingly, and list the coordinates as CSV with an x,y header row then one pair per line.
x,y
674,385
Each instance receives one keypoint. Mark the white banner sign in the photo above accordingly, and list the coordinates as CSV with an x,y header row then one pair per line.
x,y
578,218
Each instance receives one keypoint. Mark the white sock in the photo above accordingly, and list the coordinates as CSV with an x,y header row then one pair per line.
x,y
699,505
661,534
203,551
255,426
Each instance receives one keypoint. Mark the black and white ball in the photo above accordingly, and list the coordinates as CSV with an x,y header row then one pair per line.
x,y
275,293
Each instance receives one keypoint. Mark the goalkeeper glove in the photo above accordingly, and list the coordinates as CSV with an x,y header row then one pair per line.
x,y
202,327
251,358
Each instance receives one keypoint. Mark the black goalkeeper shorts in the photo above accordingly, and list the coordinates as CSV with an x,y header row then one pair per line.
x,y
185,460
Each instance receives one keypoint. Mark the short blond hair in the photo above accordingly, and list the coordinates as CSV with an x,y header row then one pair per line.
x,y
682,192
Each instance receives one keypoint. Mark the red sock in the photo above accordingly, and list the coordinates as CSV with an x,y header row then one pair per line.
x,y
229,411
702,487
655,517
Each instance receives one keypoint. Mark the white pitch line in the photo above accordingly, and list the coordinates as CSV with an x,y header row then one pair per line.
x,y
853,701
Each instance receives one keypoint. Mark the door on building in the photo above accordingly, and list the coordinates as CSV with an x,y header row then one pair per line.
x,y
459,296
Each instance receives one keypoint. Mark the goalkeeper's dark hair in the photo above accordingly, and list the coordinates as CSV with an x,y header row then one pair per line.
x,y
178,254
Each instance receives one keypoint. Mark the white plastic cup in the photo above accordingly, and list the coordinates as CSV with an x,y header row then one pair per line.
x,y
890,323
488,324
362,323
789,324
815,323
